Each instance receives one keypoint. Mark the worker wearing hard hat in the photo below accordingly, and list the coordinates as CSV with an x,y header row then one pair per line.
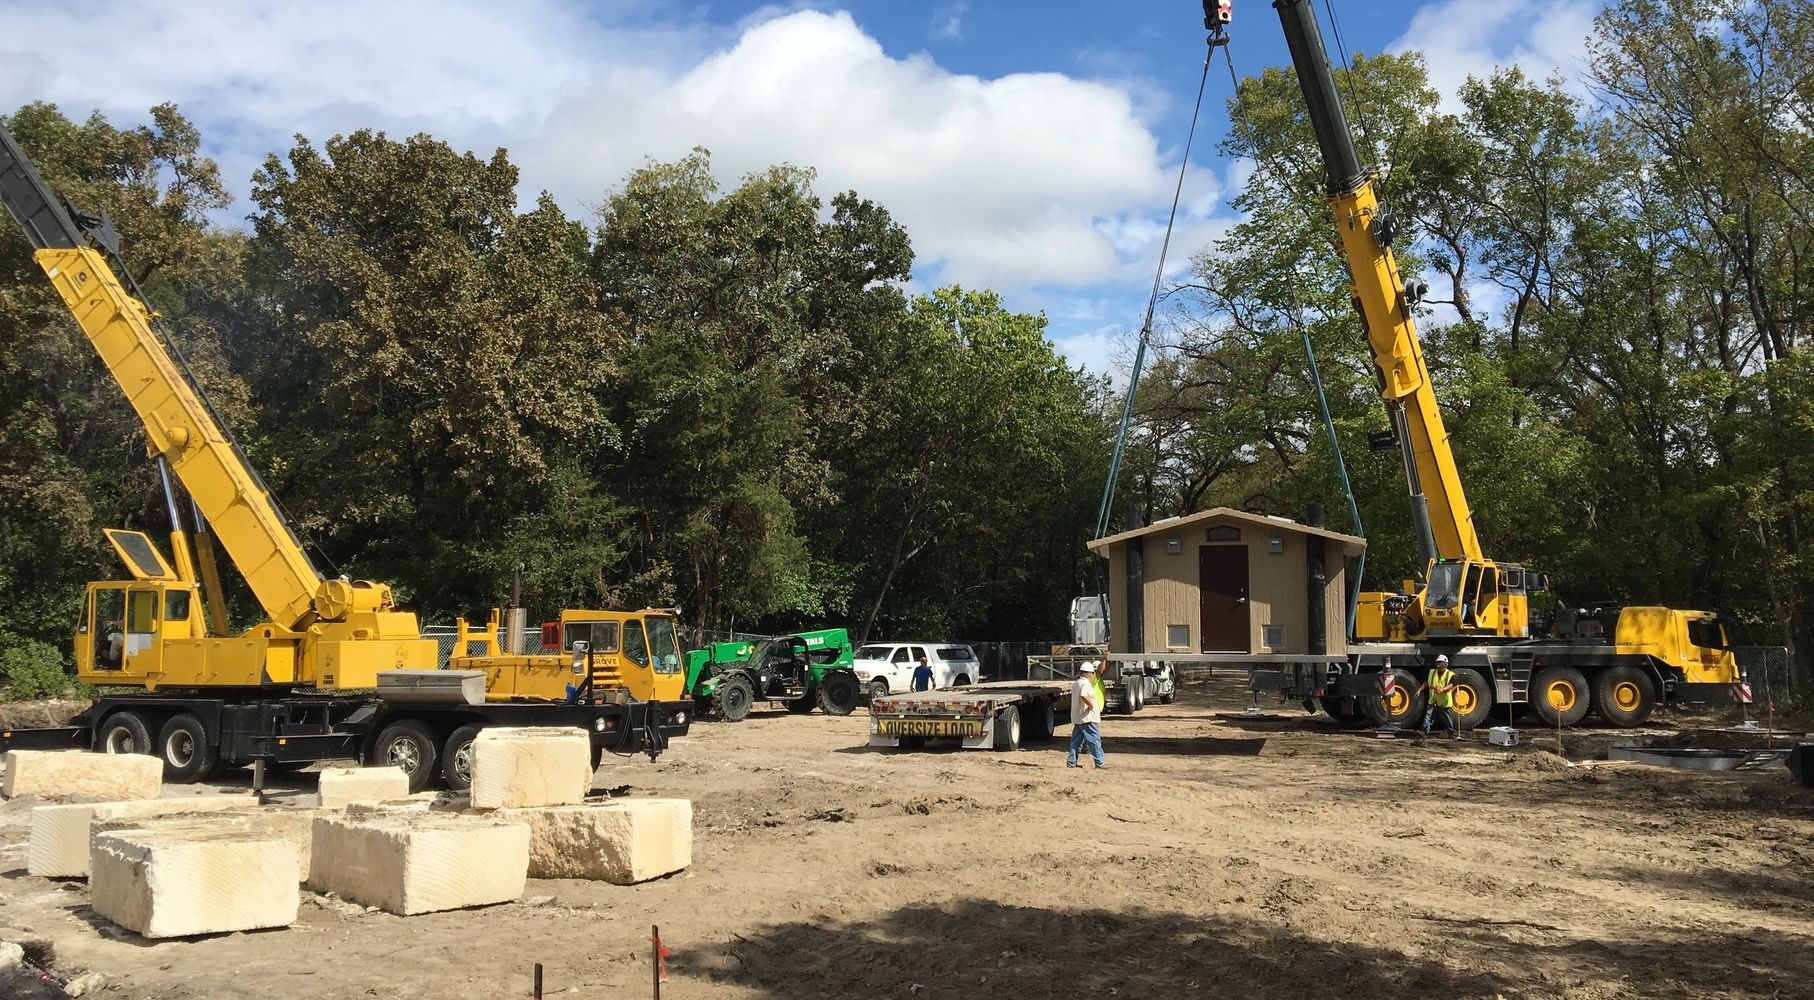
x,y
1441,685
1086,714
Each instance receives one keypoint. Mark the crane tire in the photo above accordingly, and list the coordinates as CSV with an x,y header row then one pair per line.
x,y
412,746
1559,696
1625,695
189,754
125,732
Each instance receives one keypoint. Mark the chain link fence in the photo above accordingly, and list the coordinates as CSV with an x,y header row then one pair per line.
x,y
1773,676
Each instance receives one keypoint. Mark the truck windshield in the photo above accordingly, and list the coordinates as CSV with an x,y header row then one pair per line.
x,y
1444,590
663,645
1706,633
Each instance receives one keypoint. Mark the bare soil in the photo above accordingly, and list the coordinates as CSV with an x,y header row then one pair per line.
x,y
1218,856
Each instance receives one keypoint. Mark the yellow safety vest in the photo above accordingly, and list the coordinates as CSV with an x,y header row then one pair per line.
x,y
1102,697
1441,677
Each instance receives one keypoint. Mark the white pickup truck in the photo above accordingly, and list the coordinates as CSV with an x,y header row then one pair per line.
x,y
887,667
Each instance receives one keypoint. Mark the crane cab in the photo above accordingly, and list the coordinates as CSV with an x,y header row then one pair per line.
x,y
637,652
1460,599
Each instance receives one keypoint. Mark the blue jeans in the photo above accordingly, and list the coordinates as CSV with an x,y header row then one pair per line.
x,y
1447,715
1085,734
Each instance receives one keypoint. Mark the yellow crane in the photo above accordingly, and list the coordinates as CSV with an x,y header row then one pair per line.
x,y
335,669
1620,661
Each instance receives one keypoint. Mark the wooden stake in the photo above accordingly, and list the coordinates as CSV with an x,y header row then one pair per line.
x,y
655,943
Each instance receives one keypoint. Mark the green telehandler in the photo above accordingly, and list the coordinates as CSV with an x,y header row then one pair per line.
x,y
802,671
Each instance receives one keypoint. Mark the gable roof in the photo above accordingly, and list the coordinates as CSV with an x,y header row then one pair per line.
x,y
1351,544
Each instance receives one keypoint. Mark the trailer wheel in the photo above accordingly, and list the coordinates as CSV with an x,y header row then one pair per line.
x,y
838,694
1037,723
734,698
1136,693
410,745
1007,729
125,732
1559,696
1168,685
456,758
1473,698
1624,695
189,755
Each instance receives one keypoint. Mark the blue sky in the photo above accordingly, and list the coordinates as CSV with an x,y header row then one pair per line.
x,y
1029,147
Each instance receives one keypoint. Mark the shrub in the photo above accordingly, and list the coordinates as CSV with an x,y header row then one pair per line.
x,y
31,669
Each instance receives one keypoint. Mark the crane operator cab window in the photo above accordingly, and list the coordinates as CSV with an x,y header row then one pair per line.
x,y
1444,590
600,637
664,645
1706,633
108,627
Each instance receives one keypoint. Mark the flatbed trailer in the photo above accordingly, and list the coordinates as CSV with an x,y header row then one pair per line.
x,y
429,738
1128,684
999,715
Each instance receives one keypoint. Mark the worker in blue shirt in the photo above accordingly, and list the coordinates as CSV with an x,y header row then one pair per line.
x,y
922,675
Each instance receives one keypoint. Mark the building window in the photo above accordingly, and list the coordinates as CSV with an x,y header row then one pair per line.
x,y
1224,533
1177,636
1273,637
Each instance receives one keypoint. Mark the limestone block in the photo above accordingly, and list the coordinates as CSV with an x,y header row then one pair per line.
x,y
530,766
623,841
59,833
66,775
294,825
342,785
181,882
453,802
420,862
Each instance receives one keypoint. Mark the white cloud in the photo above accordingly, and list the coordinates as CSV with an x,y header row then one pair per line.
x,y
948,20
1021,180
1462,38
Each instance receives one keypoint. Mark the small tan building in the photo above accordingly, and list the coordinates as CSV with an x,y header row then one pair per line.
x,y
1226,581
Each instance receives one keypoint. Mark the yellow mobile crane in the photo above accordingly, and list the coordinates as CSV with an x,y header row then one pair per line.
x,y
1620,661
335,669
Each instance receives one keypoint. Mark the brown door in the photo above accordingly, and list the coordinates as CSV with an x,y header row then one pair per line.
x,y
1222,570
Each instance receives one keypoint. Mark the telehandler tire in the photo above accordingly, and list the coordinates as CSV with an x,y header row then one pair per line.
x,y
1559,696
734,698
1625,695
125,732
189,755
838,693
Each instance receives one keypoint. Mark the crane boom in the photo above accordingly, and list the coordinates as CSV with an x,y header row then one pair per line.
x,y
1444,523
182,428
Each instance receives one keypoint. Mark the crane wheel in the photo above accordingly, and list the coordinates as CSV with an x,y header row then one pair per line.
x,y
125,732
456,758
1625,695
409,745
189,755
1343,710
1403,707
1473,698
1559,696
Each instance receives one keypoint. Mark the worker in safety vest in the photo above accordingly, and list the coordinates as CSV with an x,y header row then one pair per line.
x,y
1441,685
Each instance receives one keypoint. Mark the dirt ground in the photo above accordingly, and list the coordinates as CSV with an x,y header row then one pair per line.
x,y
1218,856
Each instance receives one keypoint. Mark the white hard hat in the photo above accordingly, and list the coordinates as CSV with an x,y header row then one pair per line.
x,y
1087,666
1442,658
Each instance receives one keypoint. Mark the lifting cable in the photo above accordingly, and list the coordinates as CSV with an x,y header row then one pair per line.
x,y
1316,376
1218,38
